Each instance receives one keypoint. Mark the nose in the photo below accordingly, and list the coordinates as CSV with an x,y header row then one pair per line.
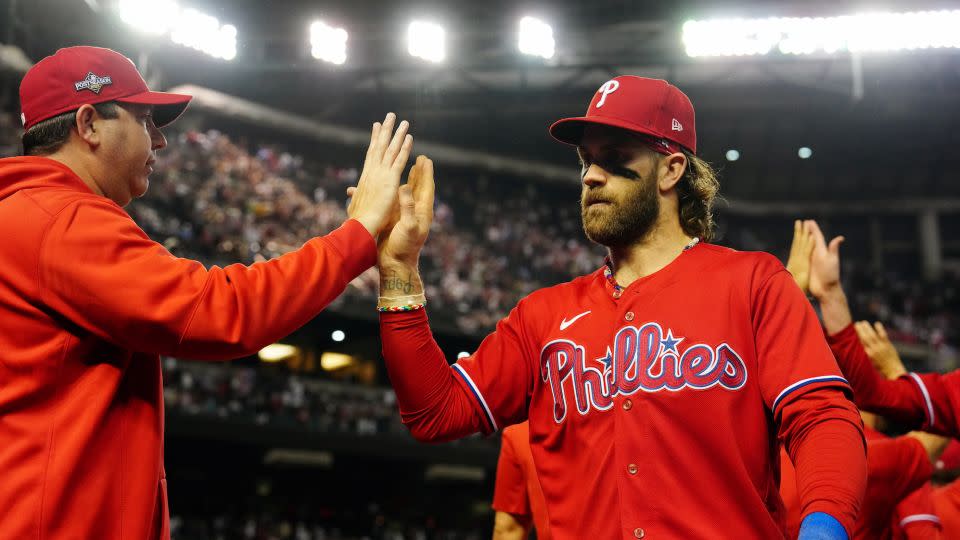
x,y
157,140
594,176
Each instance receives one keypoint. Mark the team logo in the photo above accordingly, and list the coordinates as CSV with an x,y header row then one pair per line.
x,y
92,83
642,359
676,126
608,88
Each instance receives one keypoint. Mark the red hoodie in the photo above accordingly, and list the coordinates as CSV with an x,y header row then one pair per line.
x,y
87,303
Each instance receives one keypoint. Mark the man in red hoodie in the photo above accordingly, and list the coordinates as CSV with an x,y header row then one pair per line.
x,y
88,301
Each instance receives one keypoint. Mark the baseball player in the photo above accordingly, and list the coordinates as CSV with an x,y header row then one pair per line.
x,y
88,301
517,496
898,477
930,401
659,386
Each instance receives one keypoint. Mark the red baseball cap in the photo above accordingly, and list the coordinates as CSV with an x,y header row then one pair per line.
x,y
77,76
652,107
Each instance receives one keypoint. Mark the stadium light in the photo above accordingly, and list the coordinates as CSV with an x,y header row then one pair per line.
x,y
332,361
204,33
328,43
427,41
536,38
804,152
866,32
338,335
276,352
154,17
186,26
733,154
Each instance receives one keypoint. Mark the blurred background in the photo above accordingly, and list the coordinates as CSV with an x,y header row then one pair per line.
x,y
839,111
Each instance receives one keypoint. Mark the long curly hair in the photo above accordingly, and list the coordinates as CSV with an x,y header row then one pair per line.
x,y
696,192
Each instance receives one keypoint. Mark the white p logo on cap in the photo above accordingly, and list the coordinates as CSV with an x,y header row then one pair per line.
x,y
608,88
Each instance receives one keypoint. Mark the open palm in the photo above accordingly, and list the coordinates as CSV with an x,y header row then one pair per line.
x,y
408,227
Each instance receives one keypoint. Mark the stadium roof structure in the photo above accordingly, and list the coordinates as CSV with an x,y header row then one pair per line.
x,y
880,125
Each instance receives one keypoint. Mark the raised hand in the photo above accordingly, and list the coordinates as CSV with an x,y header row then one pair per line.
x,y
880,349
404,236
824,261
800,250
375,196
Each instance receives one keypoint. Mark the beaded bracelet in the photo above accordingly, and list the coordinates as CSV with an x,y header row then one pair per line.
x,y
396,309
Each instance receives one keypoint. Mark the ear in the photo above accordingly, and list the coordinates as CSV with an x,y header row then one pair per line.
x,y
670,170
86,124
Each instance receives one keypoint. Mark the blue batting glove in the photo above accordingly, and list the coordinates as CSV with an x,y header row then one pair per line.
x,y
821,526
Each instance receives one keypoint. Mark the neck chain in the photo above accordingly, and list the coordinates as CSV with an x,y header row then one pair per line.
x,y
608,270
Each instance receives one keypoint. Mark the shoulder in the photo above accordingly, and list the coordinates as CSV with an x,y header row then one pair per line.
x,y
757,265
562,294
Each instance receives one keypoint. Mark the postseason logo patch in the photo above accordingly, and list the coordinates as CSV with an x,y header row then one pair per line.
x,y
92,83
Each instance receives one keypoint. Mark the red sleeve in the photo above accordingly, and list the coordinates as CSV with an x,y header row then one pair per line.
x,y
792,356
822,434
483,392
510,491
926,400
915,516
803,387
102,272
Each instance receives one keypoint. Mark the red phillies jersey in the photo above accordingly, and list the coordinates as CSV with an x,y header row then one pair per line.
x,y
517,490
946,502
895,469
929,401
655,411
88,302
915,518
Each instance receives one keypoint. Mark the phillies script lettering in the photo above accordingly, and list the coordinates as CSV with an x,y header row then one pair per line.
x,y
642,359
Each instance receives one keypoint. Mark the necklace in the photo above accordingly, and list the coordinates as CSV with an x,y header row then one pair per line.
x,y
608,270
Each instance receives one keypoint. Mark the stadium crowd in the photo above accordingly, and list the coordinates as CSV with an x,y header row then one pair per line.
x,y
223,200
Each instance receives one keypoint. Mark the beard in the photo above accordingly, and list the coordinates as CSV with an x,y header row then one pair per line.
x,y
624,221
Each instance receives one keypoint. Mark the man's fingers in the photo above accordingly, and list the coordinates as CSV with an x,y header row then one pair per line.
x,y
881,331
383,137
407,206
815,233
399,161
374,136
413,178
426,187
834,247
797,233
399,138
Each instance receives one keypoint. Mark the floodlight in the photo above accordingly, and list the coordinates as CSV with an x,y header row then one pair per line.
x,y
733,154
328,43
865,32
151,17
536,38
427,41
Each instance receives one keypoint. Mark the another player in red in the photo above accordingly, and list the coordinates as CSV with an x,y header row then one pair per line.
x,y
89,302
517,497
658,388
898,501
928,401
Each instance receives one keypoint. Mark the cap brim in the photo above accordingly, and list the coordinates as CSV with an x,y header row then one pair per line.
x,y
570,130
167,107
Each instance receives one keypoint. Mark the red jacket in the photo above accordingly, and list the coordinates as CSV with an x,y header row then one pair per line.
x,y
87,303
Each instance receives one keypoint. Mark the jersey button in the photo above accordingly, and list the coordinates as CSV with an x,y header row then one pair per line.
x,y
627,404
616,294
632,468
638,532
628,316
